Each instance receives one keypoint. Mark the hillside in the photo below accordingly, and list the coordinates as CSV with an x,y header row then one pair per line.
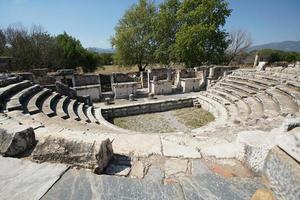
x,y
283,46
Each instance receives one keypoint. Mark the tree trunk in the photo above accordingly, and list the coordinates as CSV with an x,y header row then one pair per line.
x,y
141,68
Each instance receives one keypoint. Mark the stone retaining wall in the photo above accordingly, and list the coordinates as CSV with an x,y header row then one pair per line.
x,y
137,109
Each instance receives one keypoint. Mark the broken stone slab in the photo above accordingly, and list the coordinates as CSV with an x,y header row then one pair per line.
x,y
283,174
199,168
78,153
22,179
247,185
210,186
79,184
17,140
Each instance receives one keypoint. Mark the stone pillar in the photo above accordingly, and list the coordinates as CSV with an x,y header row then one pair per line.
x,y
211,72
149,85
169,74
178,85
256,60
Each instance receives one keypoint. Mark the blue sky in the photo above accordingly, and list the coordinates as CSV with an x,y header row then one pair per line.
x,y
93,21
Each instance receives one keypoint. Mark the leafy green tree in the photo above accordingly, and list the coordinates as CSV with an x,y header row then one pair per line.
x,y
106,58
90,60
70,50
200,38
166,27
134,38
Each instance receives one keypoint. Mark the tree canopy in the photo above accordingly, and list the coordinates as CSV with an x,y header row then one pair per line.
x,y
36,48
166,27
200,38
189,31
134,38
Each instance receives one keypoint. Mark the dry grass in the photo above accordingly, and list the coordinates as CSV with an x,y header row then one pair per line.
x,y
193,117
108,69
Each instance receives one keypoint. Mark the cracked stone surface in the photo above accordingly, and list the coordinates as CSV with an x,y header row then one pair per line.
x,y
22,179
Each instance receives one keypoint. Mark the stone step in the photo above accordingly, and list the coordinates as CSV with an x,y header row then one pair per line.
x,y
271,108
228,96
217,97
34,103
287,105
61,104
294,84
217,109
72,114
295,94
242,107
20,98
233,92
79,184
253,86
232,110
8,91
256,107
10,80
271,79
49,104
240,88
89,112
254,80
81,113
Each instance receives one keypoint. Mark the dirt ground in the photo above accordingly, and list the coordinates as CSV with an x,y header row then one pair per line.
x,y
181,120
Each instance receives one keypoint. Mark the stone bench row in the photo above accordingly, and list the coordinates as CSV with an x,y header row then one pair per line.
x,y
33,99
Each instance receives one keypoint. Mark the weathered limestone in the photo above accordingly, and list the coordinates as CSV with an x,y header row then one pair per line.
x,y
123,90
16,141
190,84
22,179
78,184
78,153
252,149
283,173
161,87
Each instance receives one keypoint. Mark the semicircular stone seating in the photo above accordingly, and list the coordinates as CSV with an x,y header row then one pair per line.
x,y
245,99
249,94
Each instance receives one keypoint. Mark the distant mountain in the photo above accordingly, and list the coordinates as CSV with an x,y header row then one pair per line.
x,y
100,50
283,46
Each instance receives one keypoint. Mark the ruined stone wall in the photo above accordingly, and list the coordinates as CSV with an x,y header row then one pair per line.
x,y
128,110
105,81
124,77
86,79
94,91
123,90
161,87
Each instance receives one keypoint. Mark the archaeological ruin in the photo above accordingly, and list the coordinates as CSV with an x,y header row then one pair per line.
x,y
58,141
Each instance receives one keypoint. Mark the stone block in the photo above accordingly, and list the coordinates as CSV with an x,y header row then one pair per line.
x,y
78,153
16,140
283,174
79,184
22,179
